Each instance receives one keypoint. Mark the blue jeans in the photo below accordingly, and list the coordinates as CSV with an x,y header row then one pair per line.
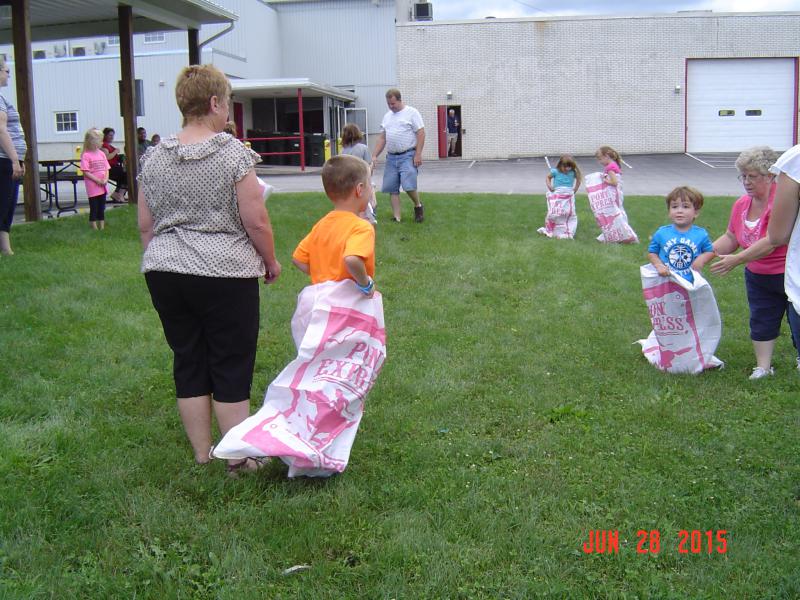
x,y
400,171
9,192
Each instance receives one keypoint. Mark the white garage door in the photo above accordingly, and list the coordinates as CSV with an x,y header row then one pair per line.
x,y
736,103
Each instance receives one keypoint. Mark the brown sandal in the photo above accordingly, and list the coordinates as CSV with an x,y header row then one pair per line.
x,y
234,469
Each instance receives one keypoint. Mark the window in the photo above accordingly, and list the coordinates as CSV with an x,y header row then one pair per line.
x,y
66,122
78,51
727,113
753,112
39,54
154,38
113,40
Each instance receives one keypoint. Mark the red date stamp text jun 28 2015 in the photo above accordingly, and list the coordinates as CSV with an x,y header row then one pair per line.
x,y
649,541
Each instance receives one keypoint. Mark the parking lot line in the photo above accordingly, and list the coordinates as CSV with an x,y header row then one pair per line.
x,y
716,160
698,160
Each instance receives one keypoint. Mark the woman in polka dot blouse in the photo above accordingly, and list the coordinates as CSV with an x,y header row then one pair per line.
x,y
207,240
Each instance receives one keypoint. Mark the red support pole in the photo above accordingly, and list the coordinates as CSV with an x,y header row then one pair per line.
x,y
302,132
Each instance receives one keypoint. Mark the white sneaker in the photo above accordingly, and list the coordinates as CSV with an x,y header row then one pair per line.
x,y
758,373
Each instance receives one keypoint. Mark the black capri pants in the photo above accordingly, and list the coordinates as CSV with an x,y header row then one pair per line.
x,y
211,325
768,303
97,208
9,192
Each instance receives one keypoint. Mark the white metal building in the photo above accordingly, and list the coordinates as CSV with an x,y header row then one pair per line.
x,y
341,51
696,82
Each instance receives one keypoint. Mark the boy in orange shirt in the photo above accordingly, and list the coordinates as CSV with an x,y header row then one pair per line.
x,y
341,245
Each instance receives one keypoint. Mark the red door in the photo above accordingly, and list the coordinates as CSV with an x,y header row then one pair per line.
x,y
441,112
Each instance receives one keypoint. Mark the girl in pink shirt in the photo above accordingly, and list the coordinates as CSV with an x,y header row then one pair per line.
x,y
94,165
610,159
612,173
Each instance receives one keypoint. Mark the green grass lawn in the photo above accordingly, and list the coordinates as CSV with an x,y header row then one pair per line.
x,y
513,415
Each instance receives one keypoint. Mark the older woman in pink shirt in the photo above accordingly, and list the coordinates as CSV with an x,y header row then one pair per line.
x,y
764,262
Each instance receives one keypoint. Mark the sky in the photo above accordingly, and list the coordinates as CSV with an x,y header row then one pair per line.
x,y
479,9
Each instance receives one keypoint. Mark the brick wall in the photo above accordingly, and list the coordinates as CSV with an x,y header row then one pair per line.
x,y
530,87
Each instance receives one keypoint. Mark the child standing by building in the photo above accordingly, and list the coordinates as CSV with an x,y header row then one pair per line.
x,y
95,167
341,245
351,144
682,246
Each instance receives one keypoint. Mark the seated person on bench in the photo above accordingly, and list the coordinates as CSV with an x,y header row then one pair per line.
x,y
117,174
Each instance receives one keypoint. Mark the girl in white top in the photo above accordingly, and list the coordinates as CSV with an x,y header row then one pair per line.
x,y
784,226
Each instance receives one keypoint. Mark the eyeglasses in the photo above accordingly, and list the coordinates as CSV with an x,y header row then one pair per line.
x,y
748,178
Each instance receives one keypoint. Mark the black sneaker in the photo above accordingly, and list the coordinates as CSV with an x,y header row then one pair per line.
x,y
419,213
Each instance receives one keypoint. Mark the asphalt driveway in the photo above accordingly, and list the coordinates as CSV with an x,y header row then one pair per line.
x,y
643,174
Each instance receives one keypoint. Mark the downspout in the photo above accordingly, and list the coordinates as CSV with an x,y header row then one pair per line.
x,y
217,35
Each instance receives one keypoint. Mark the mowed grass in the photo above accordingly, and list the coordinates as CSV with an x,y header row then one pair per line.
x,y
513,415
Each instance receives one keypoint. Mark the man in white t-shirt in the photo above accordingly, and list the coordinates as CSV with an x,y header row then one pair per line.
x,y
403,136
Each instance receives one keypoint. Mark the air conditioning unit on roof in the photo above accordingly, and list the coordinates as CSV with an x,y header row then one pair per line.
x,y
423,11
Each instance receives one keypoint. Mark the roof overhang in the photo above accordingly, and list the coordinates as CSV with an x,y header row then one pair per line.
x,y
60,19
287,88
290,1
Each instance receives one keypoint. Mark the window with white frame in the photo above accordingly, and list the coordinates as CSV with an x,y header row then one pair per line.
x,y
66,122
155,37
113,40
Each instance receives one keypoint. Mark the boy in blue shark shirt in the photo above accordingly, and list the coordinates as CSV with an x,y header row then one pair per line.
x,y
682,246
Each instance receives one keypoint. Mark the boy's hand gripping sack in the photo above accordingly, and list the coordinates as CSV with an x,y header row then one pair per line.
x,y
606,203
686,322
561,221
313,407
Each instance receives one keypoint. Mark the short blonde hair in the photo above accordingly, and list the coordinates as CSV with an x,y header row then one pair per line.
x,y
686,192
342,173
393,93
757,158
230,127
195,87
93,139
